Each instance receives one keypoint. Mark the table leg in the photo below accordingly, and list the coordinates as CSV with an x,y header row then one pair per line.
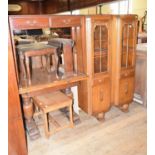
x,y
28,70
31,127
76,118
56,56
41,60
48,66
53,68
22,65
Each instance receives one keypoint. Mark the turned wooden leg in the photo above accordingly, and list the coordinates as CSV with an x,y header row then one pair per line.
x,y
41,60
56,64
31,127
28,70
100,116
125,107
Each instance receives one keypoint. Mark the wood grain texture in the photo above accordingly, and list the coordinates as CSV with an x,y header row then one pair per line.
x,y
16,134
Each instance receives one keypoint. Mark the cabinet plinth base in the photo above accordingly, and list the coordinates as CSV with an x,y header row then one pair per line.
x,y
124,107
100,116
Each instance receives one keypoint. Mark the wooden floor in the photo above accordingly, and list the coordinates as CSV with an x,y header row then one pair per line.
x,y
120,134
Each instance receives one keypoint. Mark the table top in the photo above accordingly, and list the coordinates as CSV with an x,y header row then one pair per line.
x,y
63,41
33,46
41,81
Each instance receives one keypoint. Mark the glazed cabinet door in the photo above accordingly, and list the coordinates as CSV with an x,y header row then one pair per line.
x,y
101,51
127,63
128,43
101,95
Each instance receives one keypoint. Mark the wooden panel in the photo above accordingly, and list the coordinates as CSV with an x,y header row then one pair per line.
x,y
16,135
77,4
127,73
28,7
16,138
141,77
13,97
53,6
126,90
101,96
65,21
29,22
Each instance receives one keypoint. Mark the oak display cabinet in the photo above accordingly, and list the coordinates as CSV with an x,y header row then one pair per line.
x,y
98,50
123,60
110,51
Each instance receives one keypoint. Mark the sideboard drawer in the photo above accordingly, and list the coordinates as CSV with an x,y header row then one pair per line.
x,y
65,21
29,22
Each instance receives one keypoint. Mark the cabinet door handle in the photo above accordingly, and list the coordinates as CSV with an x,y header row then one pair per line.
x,y
101,95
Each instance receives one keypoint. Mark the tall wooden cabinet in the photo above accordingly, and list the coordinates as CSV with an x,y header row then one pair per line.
x,y
123,60
98,50
110,51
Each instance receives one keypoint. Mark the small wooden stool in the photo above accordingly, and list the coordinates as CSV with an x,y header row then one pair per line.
x,y
26,51
50,102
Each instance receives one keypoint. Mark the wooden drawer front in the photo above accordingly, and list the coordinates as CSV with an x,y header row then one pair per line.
x,y
30,23
101,96
65,21
126,90
100,79
97,81
127,73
